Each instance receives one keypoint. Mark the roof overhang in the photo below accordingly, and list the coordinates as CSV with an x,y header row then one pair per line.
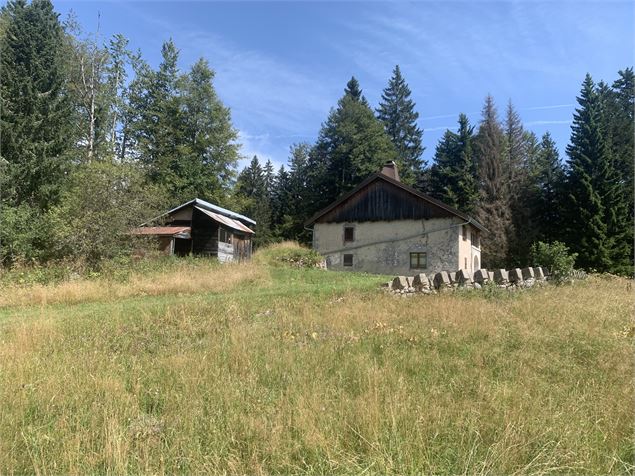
x,y
173,231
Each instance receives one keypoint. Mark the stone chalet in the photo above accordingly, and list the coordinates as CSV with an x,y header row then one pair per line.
x,y
386,227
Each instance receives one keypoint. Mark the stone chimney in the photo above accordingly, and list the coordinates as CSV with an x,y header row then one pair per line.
x,y
390,170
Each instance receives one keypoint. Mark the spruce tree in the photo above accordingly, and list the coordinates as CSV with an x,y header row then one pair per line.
x,y
588,168
209,151
305,177
351,145
178,128
34,119
252,193
549,175
453,176
493,210
397,113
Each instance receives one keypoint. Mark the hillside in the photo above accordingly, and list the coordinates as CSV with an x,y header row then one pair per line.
x,y
262,368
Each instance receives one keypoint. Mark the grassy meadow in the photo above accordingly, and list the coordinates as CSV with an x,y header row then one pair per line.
x,y
259,368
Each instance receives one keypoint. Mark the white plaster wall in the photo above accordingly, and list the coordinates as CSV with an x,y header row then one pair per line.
x,y
467,251
384,247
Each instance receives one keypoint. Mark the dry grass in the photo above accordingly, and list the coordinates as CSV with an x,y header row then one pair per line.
x,y
182,279
313,372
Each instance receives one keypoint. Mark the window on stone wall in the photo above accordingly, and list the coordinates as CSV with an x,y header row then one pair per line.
x,y
465,265
418,260
348,260
476,240
349,234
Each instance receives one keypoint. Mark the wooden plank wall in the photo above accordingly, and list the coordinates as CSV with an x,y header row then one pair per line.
x,y
383,201
204,234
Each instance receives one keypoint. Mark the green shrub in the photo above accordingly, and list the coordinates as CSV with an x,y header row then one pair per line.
x,y
290,254
555,258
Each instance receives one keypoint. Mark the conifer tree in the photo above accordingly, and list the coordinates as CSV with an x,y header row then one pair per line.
x,y
549,175
515,146
36,130
251,189
588,168
397,113
351,145
493,210
205,166
453,174
178,128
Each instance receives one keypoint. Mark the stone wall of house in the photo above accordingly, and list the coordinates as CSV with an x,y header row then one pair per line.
x,y
384,247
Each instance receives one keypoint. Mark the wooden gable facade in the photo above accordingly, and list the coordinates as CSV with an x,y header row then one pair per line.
x,y
382,198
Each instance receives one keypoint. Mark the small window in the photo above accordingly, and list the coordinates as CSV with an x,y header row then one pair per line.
x,y
348,260
465,265
464,232
418,261
225,236
476,240
349,234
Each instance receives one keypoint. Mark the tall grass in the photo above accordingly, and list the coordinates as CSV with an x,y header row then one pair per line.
x,y
306,371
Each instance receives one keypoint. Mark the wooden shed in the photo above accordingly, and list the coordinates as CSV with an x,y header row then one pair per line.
x,y
201,228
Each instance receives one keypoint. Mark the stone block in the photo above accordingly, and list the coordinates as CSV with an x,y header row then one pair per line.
x,y
528,273
410,280
421,281
464,277
452,276
501,276
538,273
515,275
481,276
399,282
441,280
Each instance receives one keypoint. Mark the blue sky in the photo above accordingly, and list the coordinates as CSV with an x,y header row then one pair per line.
x,y
280,66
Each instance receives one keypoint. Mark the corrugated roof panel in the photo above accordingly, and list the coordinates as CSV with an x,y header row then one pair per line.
x,y
223,211
230,222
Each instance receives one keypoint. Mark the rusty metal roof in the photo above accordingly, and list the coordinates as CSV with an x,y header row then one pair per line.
x,y
230,222
163,231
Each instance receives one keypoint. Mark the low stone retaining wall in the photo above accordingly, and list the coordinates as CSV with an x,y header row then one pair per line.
x,y
447,281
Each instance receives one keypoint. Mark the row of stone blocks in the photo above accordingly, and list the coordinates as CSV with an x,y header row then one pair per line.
x,y
445,280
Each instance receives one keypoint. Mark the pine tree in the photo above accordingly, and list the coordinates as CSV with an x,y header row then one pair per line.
x,y
178,128
305,177
36,134
453,176
209,153
515,146
354,91
493,210
622,129
397,113
588,168
351,145
251,191
549,179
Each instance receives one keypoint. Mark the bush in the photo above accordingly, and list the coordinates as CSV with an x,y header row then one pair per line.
x,y
99,206
291,254
555,257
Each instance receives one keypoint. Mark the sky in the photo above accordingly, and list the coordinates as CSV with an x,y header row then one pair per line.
x,y
281,66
